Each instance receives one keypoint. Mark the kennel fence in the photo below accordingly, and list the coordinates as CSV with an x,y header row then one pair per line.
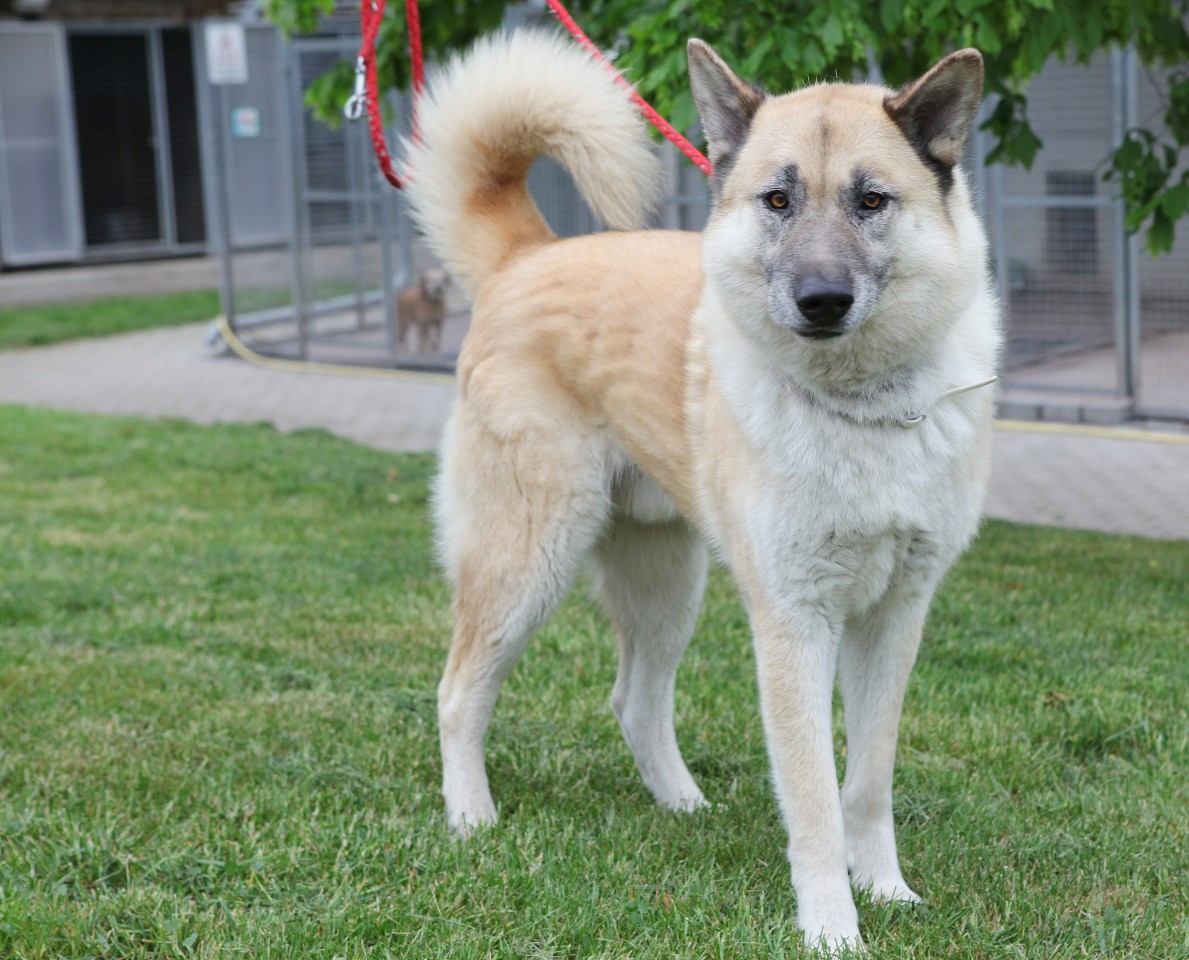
x,y
316,244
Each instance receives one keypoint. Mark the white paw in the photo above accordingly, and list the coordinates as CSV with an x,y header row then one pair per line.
x,y
831,931
687,804
823,945
899,892
885,889
463,823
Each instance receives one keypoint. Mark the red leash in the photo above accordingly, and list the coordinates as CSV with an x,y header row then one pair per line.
x,y
366,94
693,153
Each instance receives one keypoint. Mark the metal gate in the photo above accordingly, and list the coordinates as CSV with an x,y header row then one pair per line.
x,y
1098,330
318,246
39,203
313,245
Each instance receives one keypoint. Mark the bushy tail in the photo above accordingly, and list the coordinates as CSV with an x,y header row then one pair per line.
x,y
489,114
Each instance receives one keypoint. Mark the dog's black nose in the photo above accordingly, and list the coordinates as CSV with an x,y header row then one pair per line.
x,y
824,302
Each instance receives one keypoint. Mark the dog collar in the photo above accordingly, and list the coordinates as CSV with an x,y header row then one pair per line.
x,y
916,419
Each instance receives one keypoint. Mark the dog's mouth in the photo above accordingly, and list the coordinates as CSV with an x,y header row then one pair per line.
x,y
821,333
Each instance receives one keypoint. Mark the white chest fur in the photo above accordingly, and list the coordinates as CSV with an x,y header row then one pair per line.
x,y
836,509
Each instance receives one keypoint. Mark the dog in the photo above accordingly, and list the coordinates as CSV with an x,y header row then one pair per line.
x,y
802,388
424,307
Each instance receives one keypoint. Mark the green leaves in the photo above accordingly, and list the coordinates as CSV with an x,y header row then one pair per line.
x,y
326,95
1017,143
297,16
831,35
1143,168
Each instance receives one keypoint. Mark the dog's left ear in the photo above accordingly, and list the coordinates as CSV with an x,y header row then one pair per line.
x,y
936,112
725,103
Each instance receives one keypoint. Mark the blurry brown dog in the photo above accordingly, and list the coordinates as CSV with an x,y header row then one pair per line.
x,y
424,307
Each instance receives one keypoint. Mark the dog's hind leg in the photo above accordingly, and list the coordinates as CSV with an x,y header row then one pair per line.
x,y
516,521
652,577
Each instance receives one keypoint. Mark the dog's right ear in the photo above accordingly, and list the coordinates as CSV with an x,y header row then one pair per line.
x,y
725,103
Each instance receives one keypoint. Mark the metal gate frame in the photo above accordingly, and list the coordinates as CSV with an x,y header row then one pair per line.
x,y
378,210
370,200
1125,397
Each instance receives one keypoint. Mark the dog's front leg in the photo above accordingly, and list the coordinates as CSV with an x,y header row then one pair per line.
x,y
876,657
796,663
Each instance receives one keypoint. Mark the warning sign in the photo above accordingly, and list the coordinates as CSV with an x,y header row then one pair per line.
x,y
226,53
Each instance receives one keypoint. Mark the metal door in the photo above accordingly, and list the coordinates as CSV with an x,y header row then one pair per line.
x,y
40,217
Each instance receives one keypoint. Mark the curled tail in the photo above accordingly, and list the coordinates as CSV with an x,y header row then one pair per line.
x,y
488,115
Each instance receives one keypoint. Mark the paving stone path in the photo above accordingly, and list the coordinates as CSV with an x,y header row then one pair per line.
x,y
1119,481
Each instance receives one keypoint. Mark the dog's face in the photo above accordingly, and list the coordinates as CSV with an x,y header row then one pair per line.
x,y
833,204
434,281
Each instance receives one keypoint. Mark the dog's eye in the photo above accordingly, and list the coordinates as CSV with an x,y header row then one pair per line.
x,y
777,200
872,200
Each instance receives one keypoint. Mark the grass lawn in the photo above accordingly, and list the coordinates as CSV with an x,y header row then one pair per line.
x,y
218,654
38,326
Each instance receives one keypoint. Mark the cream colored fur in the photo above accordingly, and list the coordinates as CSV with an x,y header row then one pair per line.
x,y
484,121
629,398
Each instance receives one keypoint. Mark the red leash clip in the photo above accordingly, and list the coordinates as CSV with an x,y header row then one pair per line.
x,y
366,97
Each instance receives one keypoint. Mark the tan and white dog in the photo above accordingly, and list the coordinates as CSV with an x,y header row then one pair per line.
x,y
785,388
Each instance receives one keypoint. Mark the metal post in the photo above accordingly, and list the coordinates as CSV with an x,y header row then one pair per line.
x,y
293,169
162,149
1134,309
671,211
404,223
384,205
214,180
998,222
404,252
1126,284
386,200
355,173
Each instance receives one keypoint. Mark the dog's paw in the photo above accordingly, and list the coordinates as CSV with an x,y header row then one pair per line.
x,y
822,945
464,829
464,823
831,930
895,893
688,804
887,889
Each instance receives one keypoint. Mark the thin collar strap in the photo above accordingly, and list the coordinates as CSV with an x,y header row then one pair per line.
x,y
916,419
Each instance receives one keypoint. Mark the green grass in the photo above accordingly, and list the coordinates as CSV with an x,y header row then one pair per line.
x,y
38,326
44,325
218,654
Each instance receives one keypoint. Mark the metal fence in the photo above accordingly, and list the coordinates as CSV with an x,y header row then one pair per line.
x,y
1098,328
308,238
317,245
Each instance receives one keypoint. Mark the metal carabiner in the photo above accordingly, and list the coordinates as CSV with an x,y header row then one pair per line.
x,y
357,102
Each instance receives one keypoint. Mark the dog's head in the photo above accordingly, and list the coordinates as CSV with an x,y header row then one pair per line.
x,y
840,202
434,281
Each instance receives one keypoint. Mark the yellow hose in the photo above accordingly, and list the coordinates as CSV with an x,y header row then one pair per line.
x,y
1087,430
244,352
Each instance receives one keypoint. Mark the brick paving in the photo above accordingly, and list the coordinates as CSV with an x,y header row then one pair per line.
x,y
173,373
1117,481
1127,481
